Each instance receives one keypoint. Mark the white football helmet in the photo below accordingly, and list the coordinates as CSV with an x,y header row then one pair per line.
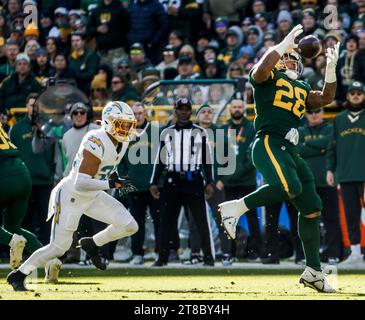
x,y
292,56
118,120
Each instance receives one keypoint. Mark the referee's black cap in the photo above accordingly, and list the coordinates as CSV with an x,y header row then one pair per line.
x,y
183,102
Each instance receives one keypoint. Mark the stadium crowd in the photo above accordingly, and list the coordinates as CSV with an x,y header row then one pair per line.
x,y
115,49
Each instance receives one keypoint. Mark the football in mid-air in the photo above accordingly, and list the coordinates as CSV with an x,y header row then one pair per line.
x,y
309,47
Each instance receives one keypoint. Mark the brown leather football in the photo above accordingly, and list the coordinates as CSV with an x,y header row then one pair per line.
x,y
309,47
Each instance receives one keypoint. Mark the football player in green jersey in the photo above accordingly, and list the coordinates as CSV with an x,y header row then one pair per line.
x,y
15,189
280,102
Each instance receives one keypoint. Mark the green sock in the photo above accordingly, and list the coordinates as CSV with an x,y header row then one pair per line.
x,y
33,243
265,196
309,234
5,236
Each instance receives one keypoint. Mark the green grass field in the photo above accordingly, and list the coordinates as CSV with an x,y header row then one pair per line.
x,y
182,284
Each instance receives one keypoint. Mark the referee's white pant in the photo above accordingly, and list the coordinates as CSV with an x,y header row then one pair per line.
x,y
67,207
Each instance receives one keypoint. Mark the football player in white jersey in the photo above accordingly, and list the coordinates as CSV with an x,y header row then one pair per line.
x,y
83,192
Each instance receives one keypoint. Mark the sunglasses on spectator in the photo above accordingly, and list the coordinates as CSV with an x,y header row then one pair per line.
x,y
356,93
235,69
314,111
124,66
98,89
76,113
116,82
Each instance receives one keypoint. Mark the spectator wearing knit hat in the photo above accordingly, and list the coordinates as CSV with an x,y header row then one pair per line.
x,y
31,32
42,67
61,16
262,20
45,24
185,68
18,86
234,39
138,58
17,35
309,21
284,22
221,28
254,38
99,91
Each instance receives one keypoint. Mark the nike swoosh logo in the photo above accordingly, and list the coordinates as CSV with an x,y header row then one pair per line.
x,y
92,147
313,275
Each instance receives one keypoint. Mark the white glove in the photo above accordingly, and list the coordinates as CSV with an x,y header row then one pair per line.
x,y
332,58
289,41
293,136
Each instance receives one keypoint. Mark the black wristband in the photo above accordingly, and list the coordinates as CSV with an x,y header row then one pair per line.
x,y
111,184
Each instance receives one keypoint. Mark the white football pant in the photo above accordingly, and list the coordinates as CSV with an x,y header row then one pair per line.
x,y
67,208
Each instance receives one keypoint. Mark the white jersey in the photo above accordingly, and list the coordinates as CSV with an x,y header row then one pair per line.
x,y
100,145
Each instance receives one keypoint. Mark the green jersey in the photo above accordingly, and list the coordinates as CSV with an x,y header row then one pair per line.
x,y
7,149
280,103
10,163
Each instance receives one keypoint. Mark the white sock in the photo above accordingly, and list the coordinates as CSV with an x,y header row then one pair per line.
x,y
356,249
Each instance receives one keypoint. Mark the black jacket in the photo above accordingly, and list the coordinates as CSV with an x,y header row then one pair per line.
x,y
116,18
13,94
148,23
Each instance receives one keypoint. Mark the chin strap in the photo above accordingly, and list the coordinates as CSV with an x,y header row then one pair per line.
x,y
291,74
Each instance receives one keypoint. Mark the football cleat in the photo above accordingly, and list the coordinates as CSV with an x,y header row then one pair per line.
x,y
16,279
52,270
315,280
137,260
17,245
91,249
227,260
352,260
230,212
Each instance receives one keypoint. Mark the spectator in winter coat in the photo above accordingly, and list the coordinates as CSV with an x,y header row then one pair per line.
x,y
148,26
108,23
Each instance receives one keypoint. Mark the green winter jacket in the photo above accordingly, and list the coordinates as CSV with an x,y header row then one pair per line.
x,y
346,151
313,142
85,67
40,165
13,93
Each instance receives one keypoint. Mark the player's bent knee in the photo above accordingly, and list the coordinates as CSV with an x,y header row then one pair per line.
x,y
131,227
57,251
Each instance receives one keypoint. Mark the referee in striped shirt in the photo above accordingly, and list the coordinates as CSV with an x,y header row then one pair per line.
x,y
184,152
